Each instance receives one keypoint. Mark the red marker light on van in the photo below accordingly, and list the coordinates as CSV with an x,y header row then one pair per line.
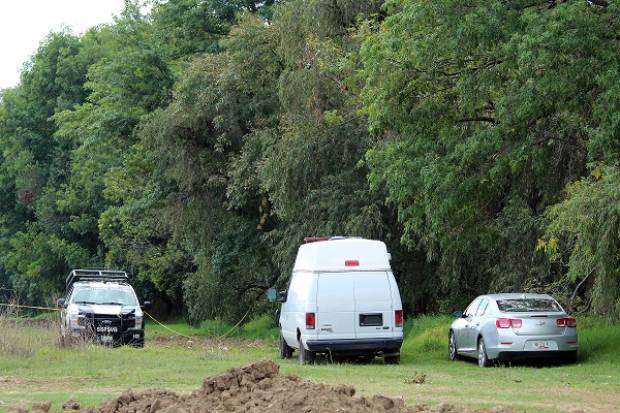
x,y
398,318
310,321
308,240
352,263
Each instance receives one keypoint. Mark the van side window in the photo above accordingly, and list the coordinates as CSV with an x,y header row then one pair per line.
x,y
482,308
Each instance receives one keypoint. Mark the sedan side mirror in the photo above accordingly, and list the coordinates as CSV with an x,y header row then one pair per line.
x,y
60,302
146,305
458,314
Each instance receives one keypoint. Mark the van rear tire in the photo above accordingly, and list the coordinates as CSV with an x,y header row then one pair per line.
x,y
286,352
305,356
392,359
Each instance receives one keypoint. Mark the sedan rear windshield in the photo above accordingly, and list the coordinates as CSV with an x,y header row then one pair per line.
x,y
528,305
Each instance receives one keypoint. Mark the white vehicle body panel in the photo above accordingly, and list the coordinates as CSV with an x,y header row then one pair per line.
x,y
343,297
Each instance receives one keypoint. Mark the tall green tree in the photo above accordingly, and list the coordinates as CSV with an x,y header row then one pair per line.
x,y
486,110
34,160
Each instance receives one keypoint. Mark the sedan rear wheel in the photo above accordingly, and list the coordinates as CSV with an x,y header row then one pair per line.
x,y
483,359
453,352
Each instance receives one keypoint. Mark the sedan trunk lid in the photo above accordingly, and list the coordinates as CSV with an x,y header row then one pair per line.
x,y
538,324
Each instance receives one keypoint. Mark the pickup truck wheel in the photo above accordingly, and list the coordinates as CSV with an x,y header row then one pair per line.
x,y
305,356
284,349
392,359
367,359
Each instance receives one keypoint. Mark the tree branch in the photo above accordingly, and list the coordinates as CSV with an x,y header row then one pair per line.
x,y
486,119
572,297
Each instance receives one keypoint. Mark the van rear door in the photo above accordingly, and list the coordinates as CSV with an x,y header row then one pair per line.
x,y
374,307
335,306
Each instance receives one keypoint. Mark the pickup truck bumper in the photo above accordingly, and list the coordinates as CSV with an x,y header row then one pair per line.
x,y
132,337
375,345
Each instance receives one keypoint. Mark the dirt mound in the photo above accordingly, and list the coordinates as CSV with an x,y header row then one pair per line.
x,y
259,388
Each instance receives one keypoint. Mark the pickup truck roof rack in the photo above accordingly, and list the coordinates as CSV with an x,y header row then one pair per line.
x,y
95,275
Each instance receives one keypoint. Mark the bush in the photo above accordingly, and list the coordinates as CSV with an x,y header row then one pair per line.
x,y
261,327
598,339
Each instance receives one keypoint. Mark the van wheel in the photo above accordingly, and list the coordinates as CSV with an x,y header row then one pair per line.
x,y
305,356
392,359
284,349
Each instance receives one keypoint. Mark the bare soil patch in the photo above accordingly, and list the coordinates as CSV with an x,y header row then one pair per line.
x,y
259,387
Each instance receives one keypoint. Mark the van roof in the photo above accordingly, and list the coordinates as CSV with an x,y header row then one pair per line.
x,y
343,254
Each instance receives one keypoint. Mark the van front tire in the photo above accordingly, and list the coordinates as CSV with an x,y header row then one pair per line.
x,y
305,356
284,349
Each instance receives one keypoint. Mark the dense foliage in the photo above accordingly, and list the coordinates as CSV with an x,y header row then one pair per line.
x,y
196,145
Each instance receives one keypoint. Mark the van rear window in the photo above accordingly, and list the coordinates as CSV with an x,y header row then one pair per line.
x,y
528,305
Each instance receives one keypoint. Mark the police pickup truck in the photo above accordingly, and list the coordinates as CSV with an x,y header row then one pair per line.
x,y
101,306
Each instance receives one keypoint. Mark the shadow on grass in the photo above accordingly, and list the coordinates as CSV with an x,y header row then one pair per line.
x,y
324,359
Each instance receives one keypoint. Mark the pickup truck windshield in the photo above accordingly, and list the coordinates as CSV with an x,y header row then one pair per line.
x,y
528,305
109,296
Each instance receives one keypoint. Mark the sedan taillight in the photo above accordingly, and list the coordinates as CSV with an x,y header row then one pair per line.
x,y
566,322
508,322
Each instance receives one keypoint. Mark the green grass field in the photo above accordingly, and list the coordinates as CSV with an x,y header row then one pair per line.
x,y
34,368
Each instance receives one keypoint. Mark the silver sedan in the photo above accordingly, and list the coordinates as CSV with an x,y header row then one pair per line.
x,y
508,327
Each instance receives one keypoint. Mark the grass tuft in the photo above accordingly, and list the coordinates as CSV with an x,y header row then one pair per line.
x,y
23,339
598,340
426,336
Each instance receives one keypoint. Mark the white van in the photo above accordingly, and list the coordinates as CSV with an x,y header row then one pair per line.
x,y
342,299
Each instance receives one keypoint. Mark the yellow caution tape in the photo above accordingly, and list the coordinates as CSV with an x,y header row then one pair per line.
x,y
29,306
33,307
166,327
